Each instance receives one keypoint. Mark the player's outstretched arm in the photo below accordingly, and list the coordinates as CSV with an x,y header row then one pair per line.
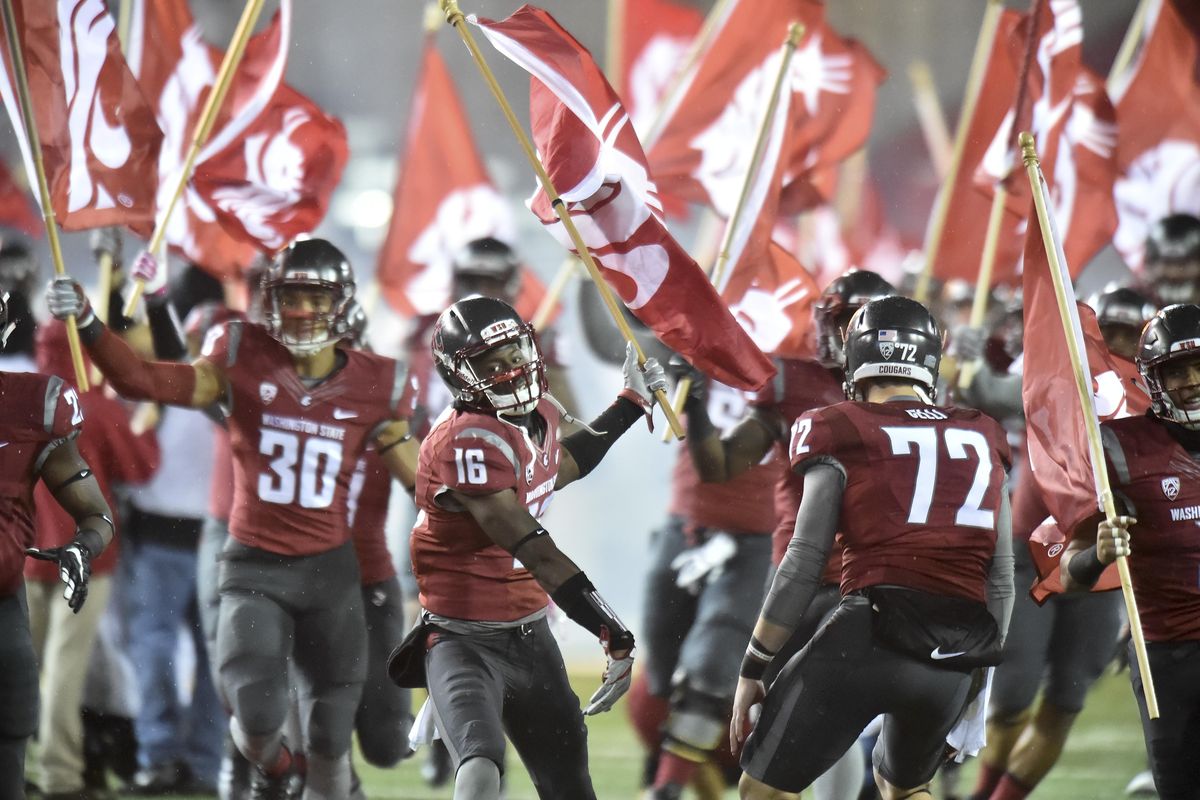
x,y
792,590
510,525
584,449
197,385
719,459
74,486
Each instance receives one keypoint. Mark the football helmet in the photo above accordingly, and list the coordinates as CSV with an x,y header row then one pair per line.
x,y
1171,335
356,326
489,267
833,309
306,292
467,339
1172,262
893,338
1123,306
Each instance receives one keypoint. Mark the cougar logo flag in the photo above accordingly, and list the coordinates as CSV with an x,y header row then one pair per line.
x,y
656,36
1075,127
595,160
704,151
100,144
267,171
1158,106
443,197
1056,432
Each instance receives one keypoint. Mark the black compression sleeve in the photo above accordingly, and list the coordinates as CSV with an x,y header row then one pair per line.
x,y
588,449
1086,567
583,605
165,331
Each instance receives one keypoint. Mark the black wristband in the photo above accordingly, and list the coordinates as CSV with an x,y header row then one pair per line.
x,y
91,332
1085,566
589,449
758,657
91,541
583,605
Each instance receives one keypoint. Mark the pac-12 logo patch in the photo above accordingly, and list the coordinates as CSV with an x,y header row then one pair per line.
x,y
1170,487
887,343
267,392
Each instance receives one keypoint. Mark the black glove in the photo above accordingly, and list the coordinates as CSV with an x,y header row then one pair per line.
x,y
679,369
74,568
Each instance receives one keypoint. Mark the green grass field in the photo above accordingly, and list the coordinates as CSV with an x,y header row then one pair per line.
x,y
1104,751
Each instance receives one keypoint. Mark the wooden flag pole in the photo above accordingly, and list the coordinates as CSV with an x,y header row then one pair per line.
x,y
717,274
35,147
566,271
208,117
679,80
1129,44
983,48
931,117
614,39
455,17
1084,389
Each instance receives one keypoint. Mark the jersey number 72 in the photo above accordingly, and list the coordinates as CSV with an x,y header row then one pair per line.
x,y
958,442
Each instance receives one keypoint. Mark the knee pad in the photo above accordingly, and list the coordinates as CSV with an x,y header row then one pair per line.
x,y
696,722
331,720
384,743
257,748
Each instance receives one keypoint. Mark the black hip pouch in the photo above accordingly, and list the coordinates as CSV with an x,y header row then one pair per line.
x,y
947,632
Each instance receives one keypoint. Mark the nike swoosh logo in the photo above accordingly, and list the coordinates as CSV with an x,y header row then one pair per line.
x,y
3,444
339,413
938,655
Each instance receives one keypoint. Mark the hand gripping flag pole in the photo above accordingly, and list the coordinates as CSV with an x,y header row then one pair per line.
x,y
794,35
204,126
35,147
1058,274
454,17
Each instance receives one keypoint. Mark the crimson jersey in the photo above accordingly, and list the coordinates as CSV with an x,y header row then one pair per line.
x,y
799,385
1161,480
461,573
922,492
294,446
40,412
742,505
370,492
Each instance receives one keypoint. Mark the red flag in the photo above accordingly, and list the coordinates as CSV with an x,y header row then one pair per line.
x,y
704,151
443,199
100,144
656,36
1158,107
595,160
16,211
776,309
1056,428
273,159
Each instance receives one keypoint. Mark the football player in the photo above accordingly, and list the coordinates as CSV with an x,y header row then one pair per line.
x,y
1171,271
917,497
486,567
1151,461
301,411
42,418
694,641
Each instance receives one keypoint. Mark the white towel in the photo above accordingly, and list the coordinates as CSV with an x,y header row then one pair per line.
x,y
424,729
969,736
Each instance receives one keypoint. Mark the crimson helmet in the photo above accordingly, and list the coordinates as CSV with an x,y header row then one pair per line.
x,y
318,268
833,309
464,336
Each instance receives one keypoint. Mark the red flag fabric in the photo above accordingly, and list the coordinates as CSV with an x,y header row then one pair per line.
x,y
100,144
1158,107
776,308
16,210
273,159
1075,127
656,36
705,149
443,198
596,162
1056,433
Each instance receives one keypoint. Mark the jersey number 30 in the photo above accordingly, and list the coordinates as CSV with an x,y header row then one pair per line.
x,y
958,441
316,463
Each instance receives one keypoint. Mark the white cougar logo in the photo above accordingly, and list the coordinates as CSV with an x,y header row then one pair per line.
x,y
764,316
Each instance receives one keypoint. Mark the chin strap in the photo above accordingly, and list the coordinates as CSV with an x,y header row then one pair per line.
x,y
567,416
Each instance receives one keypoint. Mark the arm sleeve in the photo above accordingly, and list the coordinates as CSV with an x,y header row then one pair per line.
x,y
165,331
589,449
1001,593
996,394
799,574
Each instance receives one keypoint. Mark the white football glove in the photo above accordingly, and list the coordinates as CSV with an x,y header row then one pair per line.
x,y
153,275
65,298
696,564
644,380
618,674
